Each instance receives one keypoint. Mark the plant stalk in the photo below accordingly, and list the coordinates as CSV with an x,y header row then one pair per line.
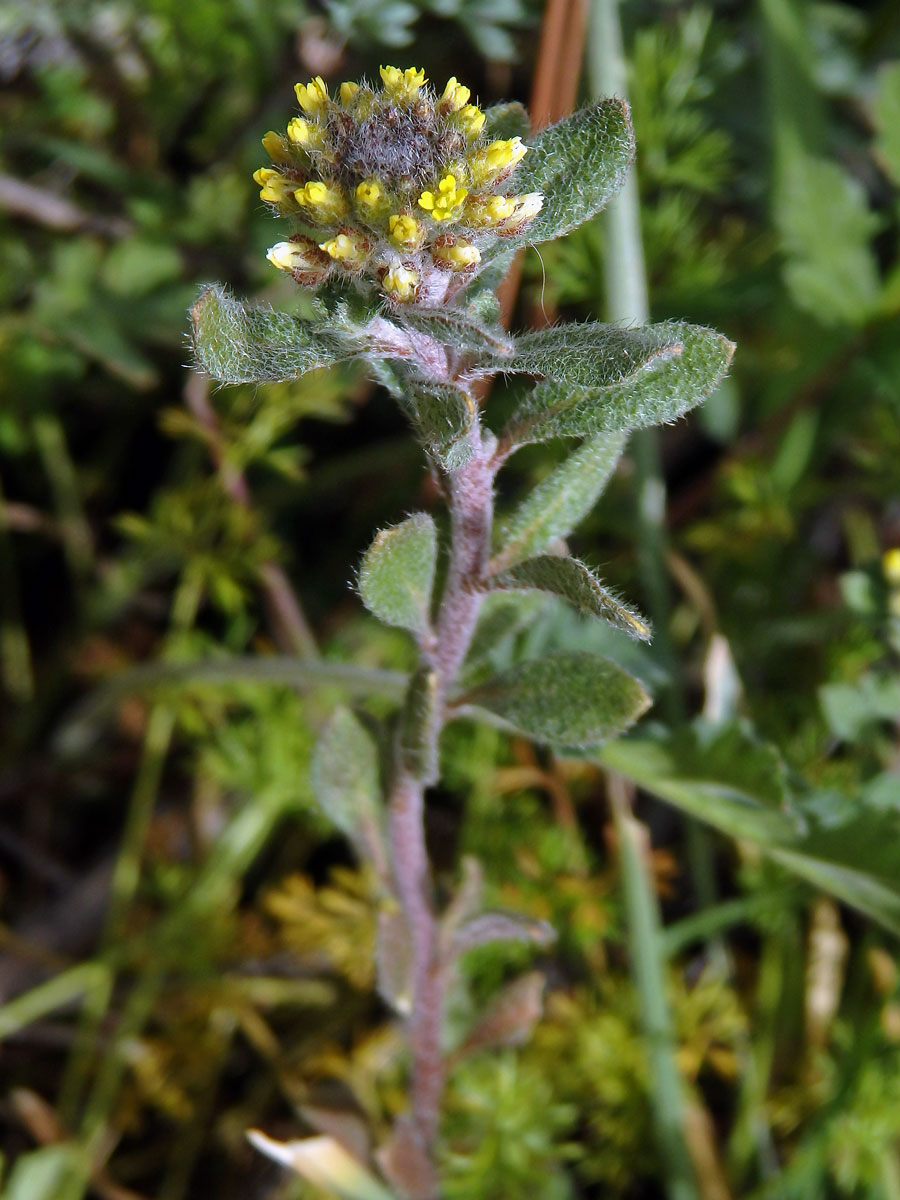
x,y
471,514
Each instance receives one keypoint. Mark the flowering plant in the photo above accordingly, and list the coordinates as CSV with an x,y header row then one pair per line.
x,y
408,207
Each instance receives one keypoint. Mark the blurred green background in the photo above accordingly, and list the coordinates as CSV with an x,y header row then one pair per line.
x,y
184,942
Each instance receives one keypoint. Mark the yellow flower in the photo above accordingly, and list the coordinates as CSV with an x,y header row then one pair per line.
x,y
470,119
294,256
349,249
449,199
274,188
496,158
459,256
348,92
402,85
306,134
406,231
400,284
312,97
486,213
325,199
369,194
276,147
455,95
890,564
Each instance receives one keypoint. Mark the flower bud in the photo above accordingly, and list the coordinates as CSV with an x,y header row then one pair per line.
x,y
302,257
470,119
496,159
456,96
458,255
400,283
277,147
325,201
305,134
406,231
349,249
274,187
313,97
402,85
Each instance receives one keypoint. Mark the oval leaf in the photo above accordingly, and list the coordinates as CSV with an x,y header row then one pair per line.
x,y
560,501
577,584
241,343
397,573
565,699
603,379
345,782
578,165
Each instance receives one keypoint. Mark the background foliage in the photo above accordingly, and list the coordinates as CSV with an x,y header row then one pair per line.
x,y
184,939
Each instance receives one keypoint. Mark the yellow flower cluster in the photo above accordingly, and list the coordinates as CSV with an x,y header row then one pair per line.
x,y
385,173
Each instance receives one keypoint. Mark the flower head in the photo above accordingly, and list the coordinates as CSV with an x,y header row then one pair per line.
x,y
382,173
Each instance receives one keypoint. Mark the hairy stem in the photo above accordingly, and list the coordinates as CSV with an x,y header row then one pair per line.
x,y
471,514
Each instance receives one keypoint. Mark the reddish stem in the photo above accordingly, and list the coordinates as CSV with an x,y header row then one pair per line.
x,y
471,513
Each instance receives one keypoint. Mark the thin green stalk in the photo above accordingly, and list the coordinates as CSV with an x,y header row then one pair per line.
x,y
642,915
126,874
78,983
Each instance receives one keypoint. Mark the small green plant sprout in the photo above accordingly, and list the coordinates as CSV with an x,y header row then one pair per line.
x,y
405,206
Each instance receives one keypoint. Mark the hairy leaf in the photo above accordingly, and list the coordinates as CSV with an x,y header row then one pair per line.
x,y
241,343
511,1016
454,328
397,573
346,785
560,501
419,725
442,415
576,583
506,120
577,165
564,699
491,927
608,379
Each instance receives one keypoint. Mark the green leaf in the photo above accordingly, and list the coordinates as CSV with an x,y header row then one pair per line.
x,y
419,727
577,165
887,119
442,415
238,343
560,501
490,927
575,583
56,1172
345,781
506,121
827,226
564,699
719,774
607,379
452,327
724,776
850,708
397,573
